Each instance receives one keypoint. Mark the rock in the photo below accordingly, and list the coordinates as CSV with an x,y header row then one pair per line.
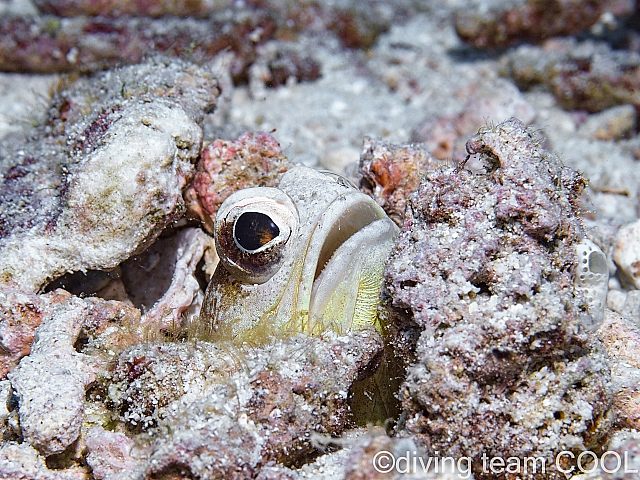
x,y
629,453
631,307
616,300
217,411
445,136
50,44
582,76
626,254
22,461
50,383
109,455
485,268
116,8
614,123
184,290
90,189
254,159
390,173
621,341
338,160
281,62
20,314
500,24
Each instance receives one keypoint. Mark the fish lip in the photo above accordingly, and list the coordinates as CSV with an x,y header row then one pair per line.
x,y
341,226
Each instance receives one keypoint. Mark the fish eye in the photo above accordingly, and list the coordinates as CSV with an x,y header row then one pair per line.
x,y
252,230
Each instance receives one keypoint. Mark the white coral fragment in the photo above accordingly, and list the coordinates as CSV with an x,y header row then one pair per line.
x,y
50,383
592,281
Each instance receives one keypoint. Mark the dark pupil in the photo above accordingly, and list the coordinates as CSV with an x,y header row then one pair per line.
x,y
254,229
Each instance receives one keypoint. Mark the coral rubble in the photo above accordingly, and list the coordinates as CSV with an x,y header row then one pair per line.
x,y
626,253
485,267
390,173
587,75
216,411
499,23
48,44
106,170
621,340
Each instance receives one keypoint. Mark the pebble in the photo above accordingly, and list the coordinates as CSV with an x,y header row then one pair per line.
x,y
626,254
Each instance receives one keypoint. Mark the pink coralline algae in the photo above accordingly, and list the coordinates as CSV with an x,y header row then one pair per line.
x,y
505,23
484,268
254,159
390,173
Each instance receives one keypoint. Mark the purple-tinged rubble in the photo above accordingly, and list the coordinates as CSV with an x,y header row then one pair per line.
x,y
485,267
50,44
72,36
500,23
104,174
146,8
220,411
582,75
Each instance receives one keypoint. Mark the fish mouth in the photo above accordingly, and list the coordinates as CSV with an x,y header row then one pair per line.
x,y
345,260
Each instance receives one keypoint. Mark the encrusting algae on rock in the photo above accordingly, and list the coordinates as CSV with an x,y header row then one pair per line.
x,y
485,267
106,170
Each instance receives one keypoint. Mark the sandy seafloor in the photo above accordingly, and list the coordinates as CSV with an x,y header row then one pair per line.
x,y
418,81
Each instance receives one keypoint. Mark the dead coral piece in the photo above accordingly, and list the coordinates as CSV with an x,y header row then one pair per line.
x,y
614,123
586,76
216,411
280,61
147,8
500,24
49,44
22,461
184,289
485,267
105,173
372,456
356,24
20,314
109,454
629,453
50,383
252,160
626,253
390,173
88,36
621,340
